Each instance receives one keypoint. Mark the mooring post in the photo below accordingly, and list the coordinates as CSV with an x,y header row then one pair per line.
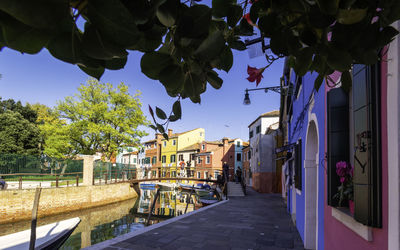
x,y
77,180
20,183
34,218
190,195
56,181
152,206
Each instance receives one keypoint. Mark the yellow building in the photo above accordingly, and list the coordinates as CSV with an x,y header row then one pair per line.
x,y
176,142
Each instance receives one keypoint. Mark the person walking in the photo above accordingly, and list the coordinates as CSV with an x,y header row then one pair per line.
x,y
225,168
3,184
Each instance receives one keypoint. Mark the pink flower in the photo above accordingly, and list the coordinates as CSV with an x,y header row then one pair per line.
x,y
248,19
342,179
341,168
254,74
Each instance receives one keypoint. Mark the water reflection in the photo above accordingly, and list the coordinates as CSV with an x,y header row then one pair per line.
x,y
107,222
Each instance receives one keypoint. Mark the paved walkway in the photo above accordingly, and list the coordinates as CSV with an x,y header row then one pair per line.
x,y
256,221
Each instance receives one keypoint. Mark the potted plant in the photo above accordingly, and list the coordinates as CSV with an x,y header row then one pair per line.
x,y
345,191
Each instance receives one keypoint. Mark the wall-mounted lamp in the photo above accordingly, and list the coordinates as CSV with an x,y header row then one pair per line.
x,y
247,101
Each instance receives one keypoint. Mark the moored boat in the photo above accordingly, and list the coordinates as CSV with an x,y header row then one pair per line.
x,y
50,236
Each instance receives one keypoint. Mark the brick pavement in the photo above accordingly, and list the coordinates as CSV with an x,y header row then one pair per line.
x,y
256,221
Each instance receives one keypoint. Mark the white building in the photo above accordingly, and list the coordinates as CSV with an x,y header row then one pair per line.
x,y
262,161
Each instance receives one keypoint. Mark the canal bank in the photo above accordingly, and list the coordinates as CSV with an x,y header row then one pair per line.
x,y
256,221
16,205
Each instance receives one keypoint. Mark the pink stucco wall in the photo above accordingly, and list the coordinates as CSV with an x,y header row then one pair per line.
x,y
339,236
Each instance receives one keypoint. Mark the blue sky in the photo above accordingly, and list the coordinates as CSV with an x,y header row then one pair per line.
x,y
43,79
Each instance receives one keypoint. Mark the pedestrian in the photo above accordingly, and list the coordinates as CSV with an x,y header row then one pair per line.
x,y
3,184
225,168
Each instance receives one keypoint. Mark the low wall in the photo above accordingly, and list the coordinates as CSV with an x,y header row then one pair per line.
x,y
264,182
17,205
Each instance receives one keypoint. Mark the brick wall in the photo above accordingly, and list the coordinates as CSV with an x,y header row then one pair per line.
x,y
17,205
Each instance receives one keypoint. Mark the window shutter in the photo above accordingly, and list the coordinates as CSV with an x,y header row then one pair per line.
x,y
338,138
298,166
367,165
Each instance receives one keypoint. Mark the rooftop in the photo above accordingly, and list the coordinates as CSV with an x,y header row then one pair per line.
x,y
274,113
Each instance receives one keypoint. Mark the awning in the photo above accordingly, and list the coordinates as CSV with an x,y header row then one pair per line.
x,y
285,148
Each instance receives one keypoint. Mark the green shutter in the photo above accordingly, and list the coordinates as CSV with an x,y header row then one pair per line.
x,y
298,166
367,165
338,138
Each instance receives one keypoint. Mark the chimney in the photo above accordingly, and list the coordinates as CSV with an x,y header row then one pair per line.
x,y
169,132
158,137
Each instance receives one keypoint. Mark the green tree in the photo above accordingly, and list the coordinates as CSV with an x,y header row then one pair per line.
x,y
26,111
99,118
18,135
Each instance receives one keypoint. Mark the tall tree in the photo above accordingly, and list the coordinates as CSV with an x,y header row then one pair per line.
x,y
99,118
17,134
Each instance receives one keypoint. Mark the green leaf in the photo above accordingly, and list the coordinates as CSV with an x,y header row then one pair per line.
x,y
62,46
386,35
172,78
238,45
114,21
153,127
21,37
160,113
167,13
329,7
351,16
211,47
318,82
176,108
173,118
154,62
244,29
224,61
115,63
234,14
269,24
346,81
220,8
278,43
214,80
165,135
96,46
339,59
303,61
94,72
42,14
160,128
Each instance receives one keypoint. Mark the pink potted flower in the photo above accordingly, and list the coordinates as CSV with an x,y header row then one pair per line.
x,y
345,191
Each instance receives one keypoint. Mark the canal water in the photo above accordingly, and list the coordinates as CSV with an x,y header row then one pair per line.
x,y
109,221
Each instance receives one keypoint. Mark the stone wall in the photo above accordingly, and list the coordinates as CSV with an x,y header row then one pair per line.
x,y
264,182
17,205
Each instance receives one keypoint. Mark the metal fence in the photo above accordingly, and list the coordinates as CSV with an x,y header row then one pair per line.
x,y
18,164
108,171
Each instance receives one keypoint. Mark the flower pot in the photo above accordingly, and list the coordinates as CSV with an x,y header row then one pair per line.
x,y
351,206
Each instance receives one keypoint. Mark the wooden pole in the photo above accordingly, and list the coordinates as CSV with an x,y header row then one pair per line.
x,y
20,183
57,181
34,218
190,195
152,207
77,180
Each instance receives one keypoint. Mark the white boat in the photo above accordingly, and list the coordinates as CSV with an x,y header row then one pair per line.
x,y
50,236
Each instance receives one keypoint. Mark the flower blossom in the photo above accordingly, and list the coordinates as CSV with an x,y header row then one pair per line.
x,y
255,74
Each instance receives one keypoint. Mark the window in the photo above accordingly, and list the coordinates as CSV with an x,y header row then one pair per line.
x,y
199,159
205,175
361,124
201,133
173,158
216,173
203,147
249,155
238,143
198,175
298,166
164,174
192,157
165,144
173,142
180,157
238,157
173,174
154,173
208,159
147,160
154,160
164,159
258,129
251,134
134,160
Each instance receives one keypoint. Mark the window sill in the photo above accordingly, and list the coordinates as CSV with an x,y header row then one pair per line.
x,y
360,229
